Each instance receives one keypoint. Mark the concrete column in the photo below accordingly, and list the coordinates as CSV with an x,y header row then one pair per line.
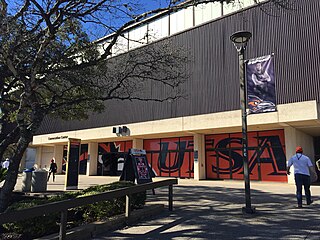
x,y
38,156
137,143
58,155
92,159
291,143
199,163
294,138
306,142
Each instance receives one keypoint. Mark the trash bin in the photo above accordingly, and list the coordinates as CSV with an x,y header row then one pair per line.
x,y
26,180
39,181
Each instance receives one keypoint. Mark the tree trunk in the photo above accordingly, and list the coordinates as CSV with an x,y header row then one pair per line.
x,y
11,179
12,137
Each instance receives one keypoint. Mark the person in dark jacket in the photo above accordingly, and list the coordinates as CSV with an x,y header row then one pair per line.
x,y
53,169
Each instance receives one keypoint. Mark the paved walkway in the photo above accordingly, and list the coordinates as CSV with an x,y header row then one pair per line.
x,y
212,210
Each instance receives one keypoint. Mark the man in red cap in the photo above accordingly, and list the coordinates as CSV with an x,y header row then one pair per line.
x,y
302,165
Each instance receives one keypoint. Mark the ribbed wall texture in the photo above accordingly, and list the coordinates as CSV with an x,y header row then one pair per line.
x,y
293,36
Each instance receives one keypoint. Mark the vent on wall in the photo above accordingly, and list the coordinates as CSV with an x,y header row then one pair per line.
x,y
121,131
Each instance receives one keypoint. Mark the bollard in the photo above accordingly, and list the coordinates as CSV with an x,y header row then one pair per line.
x,y
63,225
170,197
128,207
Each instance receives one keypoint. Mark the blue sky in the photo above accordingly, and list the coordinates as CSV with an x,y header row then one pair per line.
x,y
151,4
141,7
147,5
95,32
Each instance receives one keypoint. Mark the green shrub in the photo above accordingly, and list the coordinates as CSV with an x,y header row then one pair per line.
x,y
138,200
43,225
3,174
64,196
101,210
34,227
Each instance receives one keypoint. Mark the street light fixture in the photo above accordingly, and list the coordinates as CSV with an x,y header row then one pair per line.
x,y
240,40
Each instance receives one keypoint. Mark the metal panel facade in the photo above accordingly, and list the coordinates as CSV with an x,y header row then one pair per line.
x,y
213,86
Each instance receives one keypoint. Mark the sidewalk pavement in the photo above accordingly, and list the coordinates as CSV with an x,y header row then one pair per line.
x,y
59,184
212,210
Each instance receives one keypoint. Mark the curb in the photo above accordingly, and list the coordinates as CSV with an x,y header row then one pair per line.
x,y
93,229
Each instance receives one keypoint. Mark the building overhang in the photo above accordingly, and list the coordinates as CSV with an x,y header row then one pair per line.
x,y
301,115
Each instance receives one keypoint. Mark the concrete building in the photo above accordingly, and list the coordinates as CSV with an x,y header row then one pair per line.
x,y
200,137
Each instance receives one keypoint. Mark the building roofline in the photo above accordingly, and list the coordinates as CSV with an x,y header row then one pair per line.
x,y
168,11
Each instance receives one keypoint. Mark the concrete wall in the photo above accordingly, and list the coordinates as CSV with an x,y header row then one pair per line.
x,y
92,159
45,154
58,155
222,122
294,138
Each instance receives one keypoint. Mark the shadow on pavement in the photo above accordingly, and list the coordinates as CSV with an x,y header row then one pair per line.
x,y
202,212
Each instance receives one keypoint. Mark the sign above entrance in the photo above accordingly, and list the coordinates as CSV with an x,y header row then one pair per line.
x,y
58,137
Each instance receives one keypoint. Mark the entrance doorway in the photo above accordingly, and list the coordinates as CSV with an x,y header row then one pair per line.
x,y
111,163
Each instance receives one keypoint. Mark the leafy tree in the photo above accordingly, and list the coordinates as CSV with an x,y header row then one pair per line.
x,y
3,174
50,66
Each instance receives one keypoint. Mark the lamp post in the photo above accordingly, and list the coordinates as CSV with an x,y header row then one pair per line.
x,y
240,40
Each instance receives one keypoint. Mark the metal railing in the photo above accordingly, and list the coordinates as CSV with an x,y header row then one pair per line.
x,y
63,206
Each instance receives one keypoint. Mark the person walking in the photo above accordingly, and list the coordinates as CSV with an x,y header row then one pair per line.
x,y
302,166
53,169
6,163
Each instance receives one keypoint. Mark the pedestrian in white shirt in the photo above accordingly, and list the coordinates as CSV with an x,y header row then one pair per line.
x,y
6,163
302,165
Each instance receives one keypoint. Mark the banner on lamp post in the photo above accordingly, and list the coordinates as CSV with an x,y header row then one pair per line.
x,y
261,85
